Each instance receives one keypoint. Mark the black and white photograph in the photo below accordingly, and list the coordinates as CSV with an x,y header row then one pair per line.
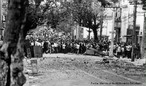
x,y
72,42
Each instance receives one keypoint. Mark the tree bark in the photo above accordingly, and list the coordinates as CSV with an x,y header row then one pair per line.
x,y
11,52
95,34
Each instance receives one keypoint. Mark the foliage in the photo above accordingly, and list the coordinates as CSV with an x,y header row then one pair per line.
x,y
87,14
144,4
61,15
53,13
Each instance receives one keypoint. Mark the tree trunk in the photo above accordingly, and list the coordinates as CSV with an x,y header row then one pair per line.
x,y
95,34
11,53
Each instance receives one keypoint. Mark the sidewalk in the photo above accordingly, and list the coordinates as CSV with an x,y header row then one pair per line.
x,y
137,62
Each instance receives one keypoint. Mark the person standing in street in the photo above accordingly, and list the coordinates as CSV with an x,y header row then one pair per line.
x,y
55,47
118,51
64,47
128,50
45,47
77,47
122,51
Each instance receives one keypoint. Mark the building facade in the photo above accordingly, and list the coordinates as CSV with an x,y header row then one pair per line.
x,y
127,11
3,13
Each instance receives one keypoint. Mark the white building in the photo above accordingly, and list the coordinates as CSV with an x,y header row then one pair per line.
x,y
127,20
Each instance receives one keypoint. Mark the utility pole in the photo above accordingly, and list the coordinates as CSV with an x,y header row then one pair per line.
x,y
112,32
134,32
143,43
101,23
101,26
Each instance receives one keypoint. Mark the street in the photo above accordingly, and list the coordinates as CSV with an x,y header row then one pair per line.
x,y
78,70
72,43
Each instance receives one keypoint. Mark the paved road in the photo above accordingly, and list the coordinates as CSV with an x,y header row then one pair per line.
x,y
75,70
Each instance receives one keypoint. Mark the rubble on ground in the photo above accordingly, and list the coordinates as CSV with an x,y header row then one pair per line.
x,y
89,65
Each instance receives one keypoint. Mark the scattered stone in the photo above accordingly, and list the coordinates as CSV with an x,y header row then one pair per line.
x,y
98,62
72,59
85,62
114,69
105,60
27,71
132,70
144,65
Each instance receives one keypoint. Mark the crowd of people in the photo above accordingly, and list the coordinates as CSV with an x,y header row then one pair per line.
x,y
81,47
125,50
